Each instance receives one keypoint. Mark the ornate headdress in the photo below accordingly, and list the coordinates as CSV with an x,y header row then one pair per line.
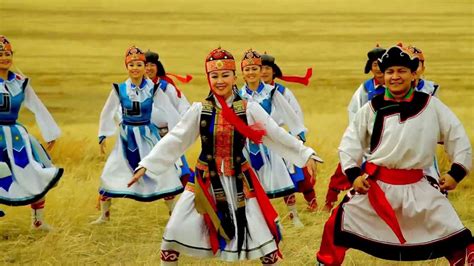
x,y
219,59
398,56
251,57
134,53
415,52
5,45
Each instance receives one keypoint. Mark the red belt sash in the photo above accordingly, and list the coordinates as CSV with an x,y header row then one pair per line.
x,y
377,196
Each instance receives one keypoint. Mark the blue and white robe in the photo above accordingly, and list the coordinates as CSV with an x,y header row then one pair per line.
x,y
271,168
181,104
296,173
26,170
137,136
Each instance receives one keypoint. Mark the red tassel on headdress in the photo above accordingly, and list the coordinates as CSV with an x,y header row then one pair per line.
x,y
296,79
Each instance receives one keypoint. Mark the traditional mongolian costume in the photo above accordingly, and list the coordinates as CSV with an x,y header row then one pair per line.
x,y
26,170
402,217
165,82
366,91
224,210
301,179
272,169
137,136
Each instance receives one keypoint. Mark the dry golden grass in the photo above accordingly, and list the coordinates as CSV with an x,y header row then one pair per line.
x,y
74,50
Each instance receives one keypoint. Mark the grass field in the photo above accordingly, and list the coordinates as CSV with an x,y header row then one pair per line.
x,y
74,50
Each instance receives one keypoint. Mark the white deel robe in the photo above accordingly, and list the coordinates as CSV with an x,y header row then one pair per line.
x,y
186,230
27,182
425,215
360,98
274,173
117,170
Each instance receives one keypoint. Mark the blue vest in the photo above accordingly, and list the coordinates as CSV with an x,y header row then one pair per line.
x,y
373,91
163,84
134,112
10,105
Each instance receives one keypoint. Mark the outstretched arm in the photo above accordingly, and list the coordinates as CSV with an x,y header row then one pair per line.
x,y
49,129
172,146
277,139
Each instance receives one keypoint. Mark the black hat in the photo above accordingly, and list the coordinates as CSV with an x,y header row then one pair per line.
x,y
373,55
397,56
154,58
268,60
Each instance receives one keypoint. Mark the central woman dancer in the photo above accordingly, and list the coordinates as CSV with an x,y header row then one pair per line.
x,y
224,211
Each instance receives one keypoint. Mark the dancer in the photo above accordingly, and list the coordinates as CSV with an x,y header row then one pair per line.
x,y
366,91
223,211
394,213
271,168
302,181
156,72
136,97
26,170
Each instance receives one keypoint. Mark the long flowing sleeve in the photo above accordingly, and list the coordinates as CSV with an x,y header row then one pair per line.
x,y
290,97
167,151
277,139
49,129
455,139
107,124
180,102
165,109
283,110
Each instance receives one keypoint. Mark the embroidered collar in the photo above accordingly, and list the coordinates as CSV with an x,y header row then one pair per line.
x,y
261,85
11,76
407,98
142,85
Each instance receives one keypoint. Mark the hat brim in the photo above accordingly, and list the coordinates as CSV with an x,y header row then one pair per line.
x,y
368,66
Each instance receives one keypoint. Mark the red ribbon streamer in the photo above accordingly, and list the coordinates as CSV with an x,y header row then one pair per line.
x,y
297,79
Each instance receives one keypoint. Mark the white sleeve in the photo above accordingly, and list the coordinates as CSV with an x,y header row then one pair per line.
x,y
167,151
49,129
180,103
277,139
454,137
107,122
355,139
290,97
287,114
356,102
165,109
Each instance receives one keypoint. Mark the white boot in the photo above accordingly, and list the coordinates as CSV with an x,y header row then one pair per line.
x,y
105,212
294,217
290,202
169,263
37,220
170,203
